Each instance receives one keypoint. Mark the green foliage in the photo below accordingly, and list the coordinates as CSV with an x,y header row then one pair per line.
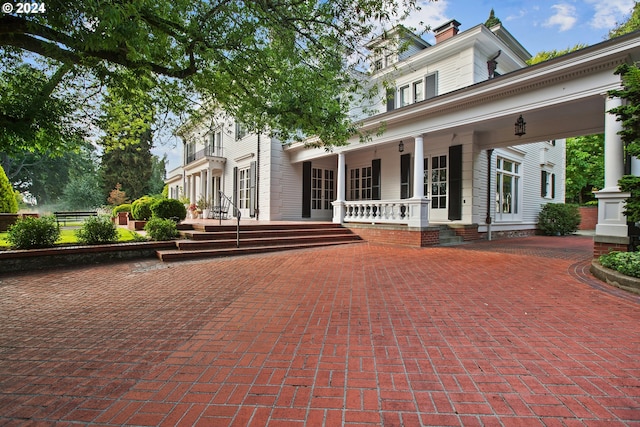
x,y
627,263
550,54
44,176
630,25
631,184
558,218
32,233
584,168
83,192
35,114
97,230
168,208
8,203
492,20
141,208
125,207
161,229
274,64
628,114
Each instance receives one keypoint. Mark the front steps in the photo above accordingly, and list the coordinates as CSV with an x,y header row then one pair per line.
x,y
204,240
448,236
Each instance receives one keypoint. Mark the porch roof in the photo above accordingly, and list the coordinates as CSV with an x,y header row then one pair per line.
x,y
559,98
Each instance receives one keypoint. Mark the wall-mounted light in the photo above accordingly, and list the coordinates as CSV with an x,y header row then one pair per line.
x,y
520,126
401,147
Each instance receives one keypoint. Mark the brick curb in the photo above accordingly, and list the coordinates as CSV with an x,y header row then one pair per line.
x,y
614,278
39,259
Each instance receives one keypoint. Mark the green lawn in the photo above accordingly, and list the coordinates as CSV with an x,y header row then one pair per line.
x,y
68,236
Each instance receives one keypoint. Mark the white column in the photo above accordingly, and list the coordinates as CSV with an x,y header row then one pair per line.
x,y
612,223
341,178
613,147
338,205
418,168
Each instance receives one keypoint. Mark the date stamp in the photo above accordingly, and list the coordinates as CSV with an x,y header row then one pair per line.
x,y
24,8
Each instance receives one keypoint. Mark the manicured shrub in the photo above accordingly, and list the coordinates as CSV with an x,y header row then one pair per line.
x,y
31,233
97,230
558,219
8,202
141,208
161,229
627,263
125,207
168,208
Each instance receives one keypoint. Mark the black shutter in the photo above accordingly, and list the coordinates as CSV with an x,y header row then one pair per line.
x,y
553,185
252,189
405,178
306,190
375,179
235,187
543,184
455,182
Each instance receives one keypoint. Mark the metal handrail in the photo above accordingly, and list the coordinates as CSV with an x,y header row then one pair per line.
x,y
237,214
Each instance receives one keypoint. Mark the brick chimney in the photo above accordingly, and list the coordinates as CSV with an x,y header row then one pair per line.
x,y
446,31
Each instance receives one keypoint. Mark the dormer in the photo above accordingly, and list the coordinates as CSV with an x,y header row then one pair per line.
x,y
394,46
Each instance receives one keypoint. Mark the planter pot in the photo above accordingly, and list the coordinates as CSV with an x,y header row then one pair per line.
x,y
136,225
122,218
7,220
205,213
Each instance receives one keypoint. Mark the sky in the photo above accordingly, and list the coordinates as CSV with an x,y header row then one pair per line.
x,y
540,25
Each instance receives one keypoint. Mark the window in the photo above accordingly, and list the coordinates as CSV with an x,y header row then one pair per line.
x,y
378,65
243,189
405,97
366,181
218,143
507,186
391,99
329,192
316,188
432,85
548,185
241,130
361,183
190,152
418,91
354,187
437,188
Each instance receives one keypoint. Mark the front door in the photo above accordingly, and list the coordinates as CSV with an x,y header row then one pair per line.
x,y
322,193
436,186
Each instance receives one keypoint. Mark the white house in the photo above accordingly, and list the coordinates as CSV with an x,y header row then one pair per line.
x,y
451,154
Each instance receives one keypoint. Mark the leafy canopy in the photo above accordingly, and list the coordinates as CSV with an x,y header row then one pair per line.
x,y
275,64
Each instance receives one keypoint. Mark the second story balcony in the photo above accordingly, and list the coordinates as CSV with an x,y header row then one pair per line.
x,y
208,152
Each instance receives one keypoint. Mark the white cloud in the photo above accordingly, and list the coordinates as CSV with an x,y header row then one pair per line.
x,y
564,17
608,14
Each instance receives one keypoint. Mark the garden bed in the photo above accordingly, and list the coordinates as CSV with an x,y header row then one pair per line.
x,y
614,278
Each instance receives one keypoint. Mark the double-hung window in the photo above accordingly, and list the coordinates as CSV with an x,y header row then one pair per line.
x,y
507,188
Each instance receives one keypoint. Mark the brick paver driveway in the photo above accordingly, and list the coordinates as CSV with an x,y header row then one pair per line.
x,y
483,334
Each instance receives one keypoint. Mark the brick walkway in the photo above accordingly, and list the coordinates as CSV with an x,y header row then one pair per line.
x,y
495,333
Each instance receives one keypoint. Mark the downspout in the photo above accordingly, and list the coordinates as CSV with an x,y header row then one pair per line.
x,y
488,218
257,205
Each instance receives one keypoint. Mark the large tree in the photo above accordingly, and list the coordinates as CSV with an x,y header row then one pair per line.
x,y
276,64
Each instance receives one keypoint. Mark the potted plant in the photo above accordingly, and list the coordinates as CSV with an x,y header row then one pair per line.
x,y
204,205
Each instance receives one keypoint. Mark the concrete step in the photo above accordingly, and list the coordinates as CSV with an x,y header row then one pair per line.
x,y
448,237
183,255
257,233
208,240
265,241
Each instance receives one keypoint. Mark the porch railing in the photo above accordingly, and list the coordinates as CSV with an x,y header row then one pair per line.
x,y
208,151
378,211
